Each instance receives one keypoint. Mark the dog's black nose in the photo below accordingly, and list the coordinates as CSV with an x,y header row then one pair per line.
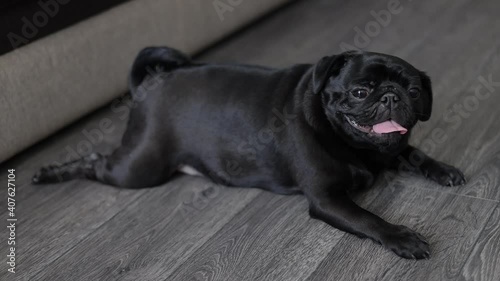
x,y
389,99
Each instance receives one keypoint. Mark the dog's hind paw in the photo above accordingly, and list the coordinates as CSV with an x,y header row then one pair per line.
x,y
49,174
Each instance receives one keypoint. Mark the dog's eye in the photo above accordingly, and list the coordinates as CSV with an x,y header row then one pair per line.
x,y
360,93
414,93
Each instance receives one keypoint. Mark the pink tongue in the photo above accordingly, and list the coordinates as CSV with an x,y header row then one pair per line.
x,y
389,126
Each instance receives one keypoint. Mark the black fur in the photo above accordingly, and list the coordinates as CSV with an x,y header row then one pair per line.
x,y
304,129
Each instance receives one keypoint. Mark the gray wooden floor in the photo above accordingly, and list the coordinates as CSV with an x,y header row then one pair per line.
x,y
191,229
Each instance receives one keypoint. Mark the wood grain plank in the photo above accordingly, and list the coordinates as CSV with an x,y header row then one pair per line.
x,y
153,235
484,262
46,232
260,234
300,256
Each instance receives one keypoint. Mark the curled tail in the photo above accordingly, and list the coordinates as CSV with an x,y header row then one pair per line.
x,y
153,59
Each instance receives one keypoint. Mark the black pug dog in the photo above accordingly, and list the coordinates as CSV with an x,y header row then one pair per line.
x,y
318,130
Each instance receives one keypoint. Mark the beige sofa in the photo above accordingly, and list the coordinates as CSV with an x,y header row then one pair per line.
x,y
59,78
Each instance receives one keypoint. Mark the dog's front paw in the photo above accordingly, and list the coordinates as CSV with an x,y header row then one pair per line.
x,y
406,243
445,174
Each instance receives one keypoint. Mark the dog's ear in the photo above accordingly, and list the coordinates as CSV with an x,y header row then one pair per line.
x,y
328,67
426,98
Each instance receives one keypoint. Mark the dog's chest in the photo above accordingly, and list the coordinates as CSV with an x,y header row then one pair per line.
x,y
361,178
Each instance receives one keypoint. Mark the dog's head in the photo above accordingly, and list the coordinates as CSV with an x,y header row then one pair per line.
x,y
372,99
